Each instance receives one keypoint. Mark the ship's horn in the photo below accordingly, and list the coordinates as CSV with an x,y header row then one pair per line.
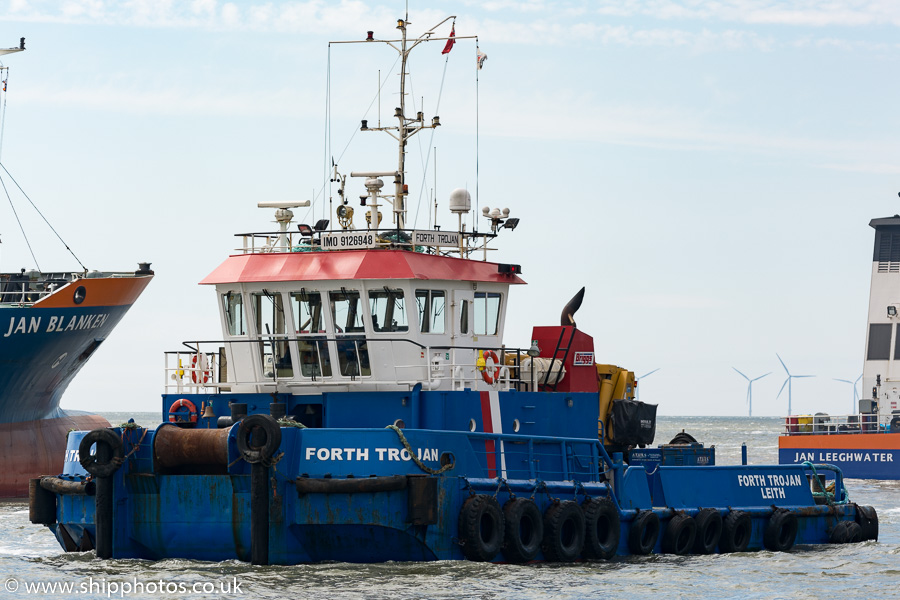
x,y
572,306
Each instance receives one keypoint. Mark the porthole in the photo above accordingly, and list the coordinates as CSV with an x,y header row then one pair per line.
x,y
472,424
516,426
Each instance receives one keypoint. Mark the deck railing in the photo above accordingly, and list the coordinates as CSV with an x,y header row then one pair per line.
x,y
199,367
842,424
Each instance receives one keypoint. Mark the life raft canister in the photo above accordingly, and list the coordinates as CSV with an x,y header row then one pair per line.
x,y
183,403
490,376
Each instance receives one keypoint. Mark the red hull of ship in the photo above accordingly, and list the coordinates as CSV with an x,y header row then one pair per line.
x,y
38,447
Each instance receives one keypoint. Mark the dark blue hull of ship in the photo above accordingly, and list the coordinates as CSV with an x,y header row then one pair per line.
x,y
41,351
856,463
362,494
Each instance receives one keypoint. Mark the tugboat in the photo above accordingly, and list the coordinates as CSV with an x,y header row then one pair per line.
x,y
50,325
865,445
364,407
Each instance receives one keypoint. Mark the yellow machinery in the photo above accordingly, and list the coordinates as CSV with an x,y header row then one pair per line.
x,y
615,383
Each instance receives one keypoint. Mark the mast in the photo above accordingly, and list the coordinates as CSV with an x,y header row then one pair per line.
x,y
399,196
406,127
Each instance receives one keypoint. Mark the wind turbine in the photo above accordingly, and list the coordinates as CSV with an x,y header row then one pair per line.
x,y
750,390
787,382
637,388
853,406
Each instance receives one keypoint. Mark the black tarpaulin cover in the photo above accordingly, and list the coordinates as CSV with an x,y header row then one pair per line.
x,y
633,422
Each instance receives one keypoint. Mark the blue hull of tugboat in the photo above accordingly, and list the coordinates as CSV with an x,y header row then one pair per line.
x,y
363,495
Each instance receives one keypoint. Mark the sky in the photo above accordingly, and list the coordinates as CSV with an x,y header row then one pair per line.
x,y
707,170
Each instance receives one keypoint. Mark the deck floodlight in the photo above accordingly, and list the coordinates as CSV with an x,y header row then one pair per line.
x,y
511,223
892,311
321,225
305,230
534,351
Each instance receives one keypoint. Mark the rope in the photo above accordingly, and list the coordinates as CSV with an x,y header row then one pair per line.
x,y
824,493
3,117
19,221
427,161
59,237
140,441
271,462
500,482
327,181
542,485
477,137
415,459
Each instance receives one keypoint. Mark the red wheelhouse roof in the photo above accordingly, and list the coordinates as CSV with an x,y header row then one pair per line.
x,y
353,264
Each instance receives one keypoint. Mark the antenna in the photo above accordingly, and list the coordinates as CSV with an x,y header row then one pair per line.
x,y
787,382
750,389
283,217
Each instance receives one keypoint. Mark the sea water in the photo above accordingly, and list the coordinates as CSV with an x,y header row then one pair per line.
x,y
33,565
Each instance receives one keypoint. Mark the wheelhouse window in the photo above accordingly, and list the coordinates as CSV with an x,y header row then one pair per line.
x,y
233,306
430,305
268,310
487,313
464,316
879,341
388,310
352,349
309,318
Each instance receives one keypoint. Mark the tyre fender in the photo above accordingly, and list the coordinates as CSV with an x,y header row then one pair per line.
x,y
523,530
481,528
737,527
91,463
258,438
868,522
680,534
781,531
602,528
644,532
563,532
709,531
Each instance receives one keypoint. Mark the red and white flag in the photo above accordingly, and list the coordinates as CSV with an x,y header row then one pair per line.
x,y
449,45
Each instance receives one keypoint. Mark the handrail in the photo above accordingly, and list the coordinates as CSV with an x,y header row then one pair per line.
x,y
823,424
426,372
598,453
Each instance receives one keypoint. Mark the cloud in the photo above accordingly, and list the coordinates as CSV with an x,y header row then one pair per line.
x,y
503,21
677,128
797,13
180,101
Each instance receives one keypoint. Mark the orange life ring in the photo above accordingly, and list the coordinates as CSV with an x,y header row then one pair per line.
x,y
200,375
490,376
183,402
